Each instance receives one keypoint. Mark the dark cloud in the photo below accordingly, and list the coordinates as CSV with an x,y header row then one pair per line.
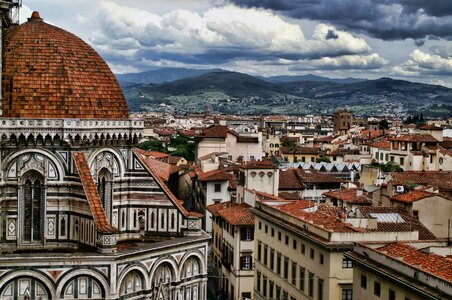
x,y
383,19
331,35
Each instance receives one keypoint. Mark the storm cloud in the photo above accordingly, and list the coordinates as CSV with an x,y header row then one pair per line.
x,y
383,19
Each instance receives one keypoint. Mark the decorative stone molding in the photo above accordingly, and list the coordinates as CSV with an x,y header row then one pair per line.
x,y
106,243
72,130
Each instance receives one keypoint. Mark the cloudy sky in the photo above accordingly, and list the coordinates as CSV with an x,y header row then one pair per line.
x,y
407,39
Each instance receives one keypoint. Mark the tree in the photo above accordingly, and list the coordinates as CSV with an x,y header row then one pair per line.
x,y
322,159
152,146
383,125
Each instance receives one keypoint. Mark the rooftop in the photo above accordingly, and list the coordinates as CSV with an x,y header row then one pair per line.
x,y
412,196
352,196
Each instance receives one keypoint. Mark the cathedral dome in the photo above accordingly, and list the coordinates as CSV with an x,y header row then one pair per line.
x,y
50,73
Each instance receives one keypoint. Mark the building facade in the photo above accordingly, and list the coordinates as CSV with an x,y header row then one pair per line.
x,y
82,214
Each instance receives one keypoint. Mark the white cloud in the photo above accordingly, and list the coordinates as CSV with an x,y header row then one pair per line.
x,y
422,63
218,35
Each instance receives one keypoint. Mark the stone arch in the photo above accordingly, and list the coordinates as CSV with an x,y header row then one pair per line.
x,y
199,257
137,267
116,155
40,277
171,261
57,161
101,279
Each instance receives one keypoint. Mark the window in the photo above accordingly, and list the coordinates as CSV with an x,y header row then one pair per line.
x,y
391,295
286,268
285,295
311,284
270,291
287,240
247,233
265,254
245,263
217,187
312,253
260,225
279,235
33,208
321,259
347,294
302,279
363,281
278,292
377,289
294,244
266,229
264,286
246,296
303,249
259,248
272,259
293,274
278,263
273,232
402,161
258,281
347,263
320,289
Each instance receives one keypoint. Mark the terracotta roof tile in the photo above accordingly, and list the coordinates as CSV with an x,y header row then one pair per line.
x,y
90,189
415,138
234,214
301,150
51,73
432,263
441,180
412,196
216,131
381,145
214,175
350,196
264,164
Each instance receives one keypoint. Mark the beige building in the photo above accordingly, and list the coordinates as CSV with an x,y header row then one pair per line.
x,y
414,271
301,154
299,247
232,249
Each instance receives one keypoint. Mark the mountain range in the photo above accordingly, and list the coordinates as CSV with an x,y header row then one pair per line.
x,y
188,90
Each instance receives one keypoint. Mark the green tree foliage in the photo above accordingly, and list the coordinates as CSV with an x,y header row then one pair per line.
x,y
322,159
388,167
152,146
383,125
184,146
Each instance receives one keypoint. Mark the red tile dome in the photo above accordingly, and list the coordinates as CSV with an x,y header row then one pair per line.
x,y
51,73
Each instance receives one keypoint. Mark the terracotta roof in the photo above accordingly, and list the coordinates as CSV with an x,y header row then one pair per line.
x,y
148,166
289,195
297,178
215,131
159,168
342,152
381,145
412,196
415,138
90,189
350,196
410,223
438,179
295,207
51,73
370,134
234,214
215,175
153,154
431,127
301,150
432,263
174,159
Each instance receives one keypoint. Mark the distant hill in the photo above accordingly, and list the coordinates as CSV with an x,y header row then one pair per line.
x,y
238,93
311,77
161,75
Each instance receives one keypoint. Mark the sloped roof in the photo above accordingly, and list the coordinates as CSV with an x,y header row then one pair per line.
x,y
214,175
350,196
301,150
415,138
234,214
438,179
412,196
90,189
432,263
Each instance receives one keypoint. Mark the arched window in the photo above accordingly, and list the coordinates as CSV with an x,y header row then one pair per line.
x,y
191,268
123,219
84,287
76,230
135,219
152,219
162,220
105,190
33,207
132,283
142,219
24,288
